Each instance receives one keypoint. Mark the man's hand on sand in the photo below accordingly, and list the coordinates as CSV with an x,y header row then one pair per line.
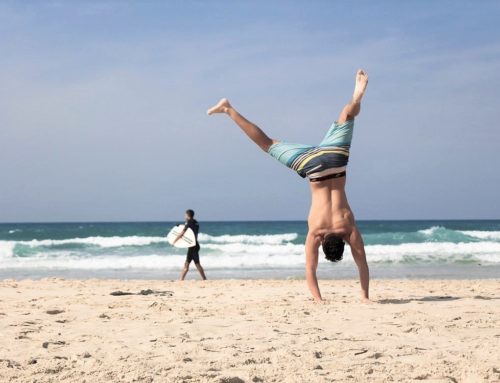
x,y
320,301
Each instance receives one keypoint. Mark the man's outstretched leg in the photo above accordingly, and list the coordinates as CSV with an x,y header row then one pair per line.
x,y
352,109
251,130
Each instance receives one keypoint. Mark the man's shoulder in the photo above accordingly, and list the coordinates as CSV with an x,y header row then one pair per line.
x,y
314,235
192,222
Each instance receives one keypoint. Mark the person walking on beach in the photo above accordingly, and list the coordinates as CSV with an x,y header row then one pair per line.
x,y
193,253
331,221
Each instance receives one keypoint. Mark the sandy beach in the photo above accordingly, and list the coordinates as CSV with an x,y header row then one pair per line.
x,y
56,330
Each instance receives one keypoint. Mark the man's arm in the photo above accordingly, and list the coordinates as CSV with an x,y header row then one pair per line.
x,y
312,245
180,235
355,240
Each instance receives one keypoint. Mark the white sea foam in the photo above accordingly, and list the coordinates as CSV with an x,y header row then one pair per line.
x,y
268,239
153,262
232,256
7,249
109,242
96,241
494,235
431,230
235,251
436,251
242,248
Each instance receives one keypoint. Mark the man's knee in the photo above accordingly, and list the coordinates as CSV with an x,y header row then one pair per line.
x,y
349,112
266,145
353,109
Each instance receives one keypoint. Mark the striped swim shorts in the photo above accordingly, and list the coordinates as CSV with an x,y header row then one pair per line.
x,y
330,157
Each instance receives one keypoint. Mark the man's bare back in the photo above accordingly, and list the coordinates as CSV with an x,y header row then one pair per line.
x,y
325,165
330,213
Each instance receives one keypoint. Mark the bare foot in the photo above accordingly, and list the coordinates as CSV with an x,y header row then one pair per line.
x,y
360,87
367,301
222,107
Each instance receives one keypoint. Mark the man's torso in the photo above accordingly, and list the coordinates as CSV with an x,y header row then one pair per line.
x,y
330,211
193,225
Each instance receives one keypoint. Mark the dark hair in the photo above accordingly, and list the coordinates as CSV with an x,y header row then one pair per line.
x,y
333,247
190,213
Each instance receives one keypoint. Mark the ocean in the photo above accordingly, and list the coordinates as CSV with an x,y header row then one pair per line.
x,y
139,250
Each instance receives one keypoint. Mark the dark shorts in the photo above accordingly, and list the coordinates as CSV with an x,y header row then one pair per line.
x,y
193,254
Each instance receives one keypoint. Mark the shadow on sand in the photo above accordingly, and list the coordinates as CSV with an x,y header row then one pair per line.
x,y
438,298
432,298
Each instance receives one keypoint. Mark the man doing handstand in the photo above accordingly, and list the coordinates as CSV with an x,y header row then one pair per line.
x,y
331,221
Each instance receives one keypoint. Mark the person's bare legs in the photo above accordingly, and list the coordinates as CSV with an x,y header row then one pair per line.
x,y
251,130
351,110
184,271
201,271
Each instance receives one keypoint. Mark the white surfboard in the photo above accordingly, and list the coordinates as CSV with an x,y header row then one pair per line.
x,y
187,240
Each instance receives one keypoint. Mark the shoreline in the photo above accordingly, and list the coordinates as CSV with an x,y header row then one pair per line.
x,y
255,330
326,271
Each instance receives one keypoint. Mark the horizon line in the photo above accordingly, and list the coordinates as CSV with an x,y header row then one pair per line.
x,y
239,220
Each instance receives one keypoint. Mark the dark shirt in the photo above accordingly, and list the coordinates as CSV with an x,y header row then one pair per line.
x,y
193,225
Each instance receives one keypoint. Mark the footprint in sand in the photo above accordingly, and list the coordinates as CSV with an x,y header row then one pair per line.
x,y
10,363
233,379
54,312
57,343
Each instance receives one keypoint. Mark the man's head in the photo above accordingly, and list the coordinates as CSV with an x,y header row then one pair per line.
x,y
333,247
189,214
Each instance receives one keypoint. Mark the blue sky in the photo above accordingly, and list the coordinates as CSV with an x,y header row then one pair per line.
x,y
102,107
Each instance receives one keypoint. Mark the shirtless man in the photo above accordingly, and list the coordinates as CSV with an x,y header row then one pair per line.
x,y
331,221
